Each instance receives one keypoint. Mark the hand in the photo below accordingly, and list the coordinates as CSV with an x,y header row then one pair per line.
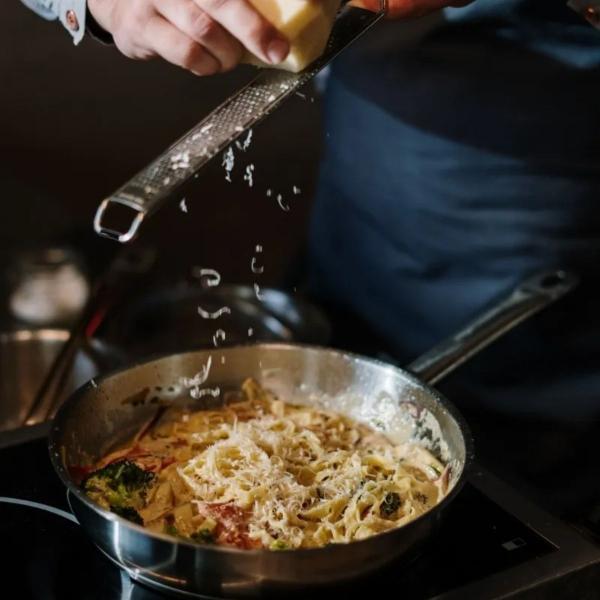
x,y
401,9
203,36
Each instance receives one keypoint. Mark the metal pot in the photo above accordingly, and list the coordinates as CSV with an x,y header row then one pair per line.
x,y
25,357
401,402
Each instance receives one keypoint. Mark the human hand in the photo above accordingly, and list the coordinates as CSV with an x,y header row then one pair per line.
x,y
202,36
401,9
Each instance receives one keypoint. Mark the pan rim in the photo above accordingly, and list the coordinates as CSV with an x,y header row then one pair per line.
x,y
67,480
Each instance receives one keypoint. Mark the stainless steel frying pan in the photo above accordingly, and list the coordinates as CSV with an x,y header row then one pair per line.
x,y
110,410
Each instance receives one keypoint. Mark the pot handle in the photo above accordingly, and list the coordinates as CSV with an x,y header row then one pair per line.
x,y
527,299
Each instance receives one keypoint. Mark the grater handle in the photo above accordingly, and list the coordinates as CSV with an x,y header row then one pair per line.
x,y
114,234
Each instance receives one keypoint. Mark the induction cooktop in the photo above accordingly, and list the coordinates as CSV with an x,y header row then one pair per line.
x,y
493,544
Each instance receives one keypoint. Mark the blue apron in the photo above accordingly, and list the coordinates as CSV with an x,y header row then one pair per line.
x,y
462,155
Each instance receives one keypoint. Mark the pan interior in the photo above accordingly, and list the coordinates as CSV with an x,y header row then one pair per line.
x,y
110,411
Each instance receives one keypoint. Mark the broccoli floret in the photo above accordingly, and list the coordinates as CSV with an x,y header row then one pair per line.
x,y
203,536
278,545
120,486
390,504
170,529
128,513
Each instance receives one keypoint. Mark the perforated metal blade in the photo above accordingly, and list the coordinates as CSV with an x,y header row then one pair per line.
x,y
157,183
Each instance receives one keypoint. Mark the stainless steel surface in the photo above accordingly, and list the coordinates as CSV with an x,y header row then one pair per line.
x,y
119,273
530,297
25,358
99,416
150,188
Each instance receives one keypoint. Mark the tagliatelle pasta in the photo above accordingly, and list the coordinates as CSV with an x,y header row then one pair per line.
x,y
261,473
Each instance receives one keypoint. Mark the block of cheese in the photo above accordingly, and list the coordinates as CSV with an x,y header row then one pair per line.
x,y
306,24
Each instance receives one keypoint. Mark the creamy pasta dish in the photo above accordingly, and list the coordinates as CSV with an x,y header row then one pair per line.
x,y
261,473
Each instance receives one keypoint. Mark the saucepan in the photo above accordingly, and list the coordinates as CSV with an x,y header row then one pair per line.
x,y
110,410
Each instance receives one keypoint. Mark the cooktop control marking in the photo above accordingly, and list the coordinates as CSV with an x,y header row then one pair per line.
x,y
514,544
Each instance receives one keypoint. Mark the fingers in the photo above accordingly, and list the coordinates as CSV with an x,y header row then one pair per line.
x,y
178,48
240,19
201,28
204,36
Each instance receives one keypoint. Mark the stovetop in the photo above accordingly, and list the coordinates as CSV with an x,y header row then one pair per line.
x,y
485,549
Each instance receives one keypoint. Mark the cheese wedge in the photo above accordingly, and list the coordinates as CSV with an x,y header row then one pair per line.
x,y
306,24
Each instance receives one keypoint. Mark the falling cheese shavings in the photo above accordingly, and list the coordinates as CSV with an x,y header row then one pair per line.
x,y
249,175
193,384
243,146
297,191
258,293
283,206
258,248
255,268
214,315
228,163
183,206
199,378
209,277
219,336
250,332
198,393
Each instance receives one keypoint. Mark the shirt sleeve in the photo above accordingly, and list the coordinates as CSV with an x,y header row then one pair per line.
x,y
588,9
71,13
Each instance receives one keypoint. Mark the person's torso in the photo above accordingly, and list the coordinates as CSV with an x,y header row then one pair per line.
x,y
462,155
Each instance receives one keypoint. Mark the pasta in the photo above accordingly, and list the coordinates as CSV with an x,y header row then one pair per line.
x,y
261,473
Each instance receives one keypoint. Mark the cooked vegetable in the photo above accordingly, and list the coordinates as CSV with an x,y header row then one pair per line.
x,y
278,545
203,536
128,513
389,506
121,487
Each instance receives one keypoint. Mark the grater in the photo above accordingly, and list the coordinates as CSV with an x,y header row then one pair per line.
x,y
147,191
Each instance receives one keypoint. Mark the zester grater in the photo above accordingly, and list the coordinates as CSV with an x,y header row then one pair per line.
x,y
154,185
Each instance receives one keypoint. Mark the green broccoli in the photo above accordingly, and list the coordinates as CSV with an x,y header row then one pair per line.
x,y
390,504
128,513
203,536
278,545
170,529
121,487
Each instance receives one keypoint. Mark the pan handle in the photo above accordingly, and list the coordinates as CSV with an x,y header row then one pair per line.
x,y
528,298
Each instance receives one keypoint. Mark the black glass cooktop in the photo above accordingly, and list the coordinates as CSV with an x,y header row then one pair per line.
x,y
484,548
